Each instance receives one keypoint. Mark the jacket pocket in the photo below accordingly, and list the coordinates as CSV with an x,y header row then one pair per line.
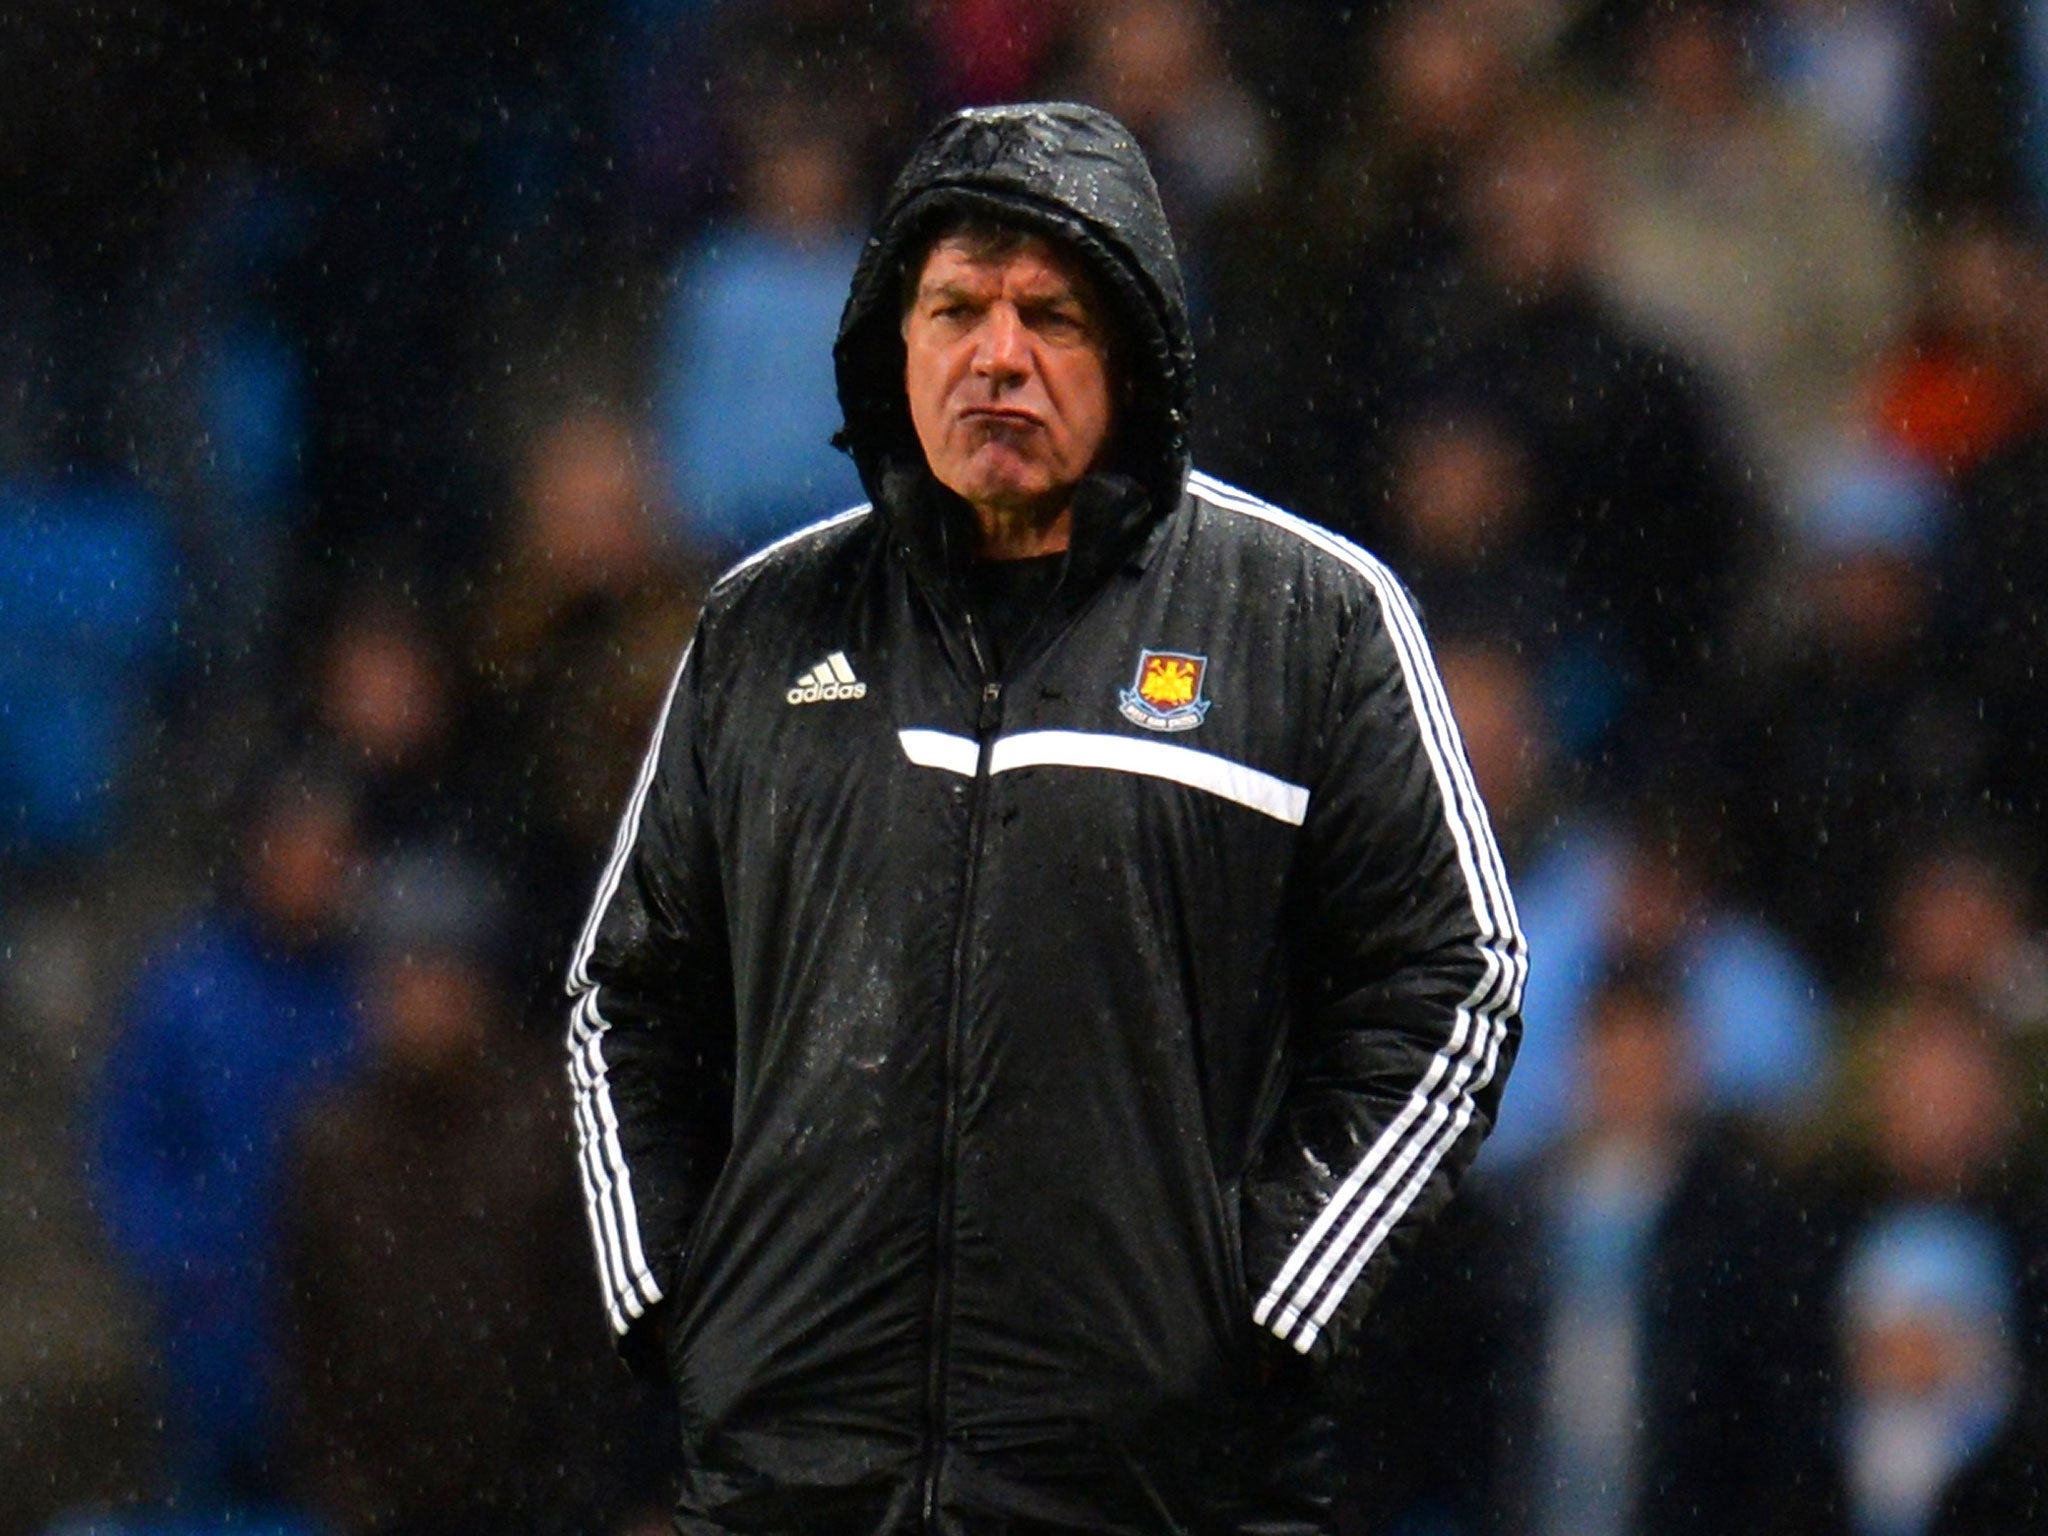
x,y
681,1308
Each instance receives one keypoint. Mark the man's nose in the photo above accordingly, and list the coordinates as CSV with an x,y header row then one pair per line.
x,y
1001,349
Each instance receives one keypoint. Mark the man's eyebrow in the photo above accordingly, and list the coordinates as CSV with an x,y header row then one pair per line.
x,y
1065,298
944,288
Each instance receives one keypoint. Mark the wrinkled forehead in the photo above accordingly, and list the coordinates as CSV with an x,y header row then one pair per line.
x,y
977,251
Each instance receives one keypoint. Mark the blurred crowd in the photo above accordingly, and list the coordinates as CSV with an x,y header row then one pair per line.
x,y
381,384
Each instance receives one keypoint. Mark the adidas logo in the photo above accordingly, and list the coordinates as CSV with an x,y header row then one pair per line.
x,y
830,679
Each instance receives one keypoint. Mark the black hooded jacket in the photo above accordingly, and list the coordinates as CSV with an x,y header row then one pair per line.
x,y
984,1080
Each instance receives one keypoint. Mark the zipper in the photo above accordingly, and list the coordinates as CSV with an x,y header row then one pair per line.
x,y
987,721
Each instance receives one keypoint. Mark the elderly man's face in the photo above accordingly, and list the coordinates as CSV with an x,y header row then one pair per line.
x,y
1008,375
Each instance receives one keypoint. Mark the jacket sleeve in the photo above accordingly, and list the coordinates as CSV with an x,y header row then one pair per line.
x,y
651,1026
1409,965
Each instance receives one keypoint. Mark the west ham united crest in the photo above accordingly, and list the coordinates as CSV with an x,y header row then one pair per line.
x,y
1166,695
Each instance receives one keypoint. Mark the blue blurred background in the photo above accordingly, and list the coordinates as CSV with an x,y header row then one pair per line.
x,y
381,384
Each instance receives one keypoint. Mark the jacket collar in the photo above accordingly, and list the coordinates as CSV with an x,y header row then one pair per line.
x,y
1113,519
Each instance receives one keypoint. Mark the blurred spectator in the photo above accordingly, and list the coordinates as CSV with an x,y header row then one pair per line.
x,y
384,709
1961,921
1751,1007
744,401
663,121
845,59
1937,1113
88,603
231,439
1644,508
233,1024
990,51
446,1379
2003,1490
1735,231
1957,387
1933,1107
1459,276
1594,891
1325,294
1155,64
1857,71
1926,1306
1549,844
1441,82
1991,617
382,287
1846,741
1656,1292
387,708
1461,531
573,640
73,1346
688,77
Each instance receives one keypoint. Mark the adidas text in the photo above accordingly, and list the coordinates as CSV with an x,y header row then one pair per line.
x,y
824,693
830,679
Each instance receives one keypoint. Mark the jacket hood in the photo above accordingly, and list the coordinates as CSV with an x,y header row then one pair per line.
x,y
1075,174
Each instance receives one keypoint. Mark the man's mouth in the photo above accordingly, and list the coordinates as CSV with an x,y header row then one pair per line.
x,y
998,416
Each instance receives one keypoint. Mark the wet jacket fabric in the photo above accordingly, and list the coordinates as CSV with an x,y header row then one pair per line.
x,y
1001,1094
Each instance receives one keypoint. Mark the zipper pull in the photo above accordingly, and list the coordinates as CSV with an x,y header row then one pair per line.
x,y
991,708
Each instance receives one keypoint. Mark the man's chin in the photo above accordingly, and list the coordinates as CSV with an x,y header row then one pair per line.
x,y
1021,511
1014,497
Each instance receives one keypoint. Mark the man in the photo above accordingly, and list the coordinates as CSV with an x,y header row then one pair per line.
x,y
233,1024
435,1159
1054,954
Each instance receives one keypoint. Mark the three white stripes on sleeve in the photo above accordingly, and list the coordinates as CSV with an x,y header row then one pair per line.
x,y
630,1286
1329,1257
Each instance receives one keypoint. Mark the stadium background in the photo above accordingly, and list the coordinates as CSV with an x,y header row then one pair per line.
x,y
379,384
